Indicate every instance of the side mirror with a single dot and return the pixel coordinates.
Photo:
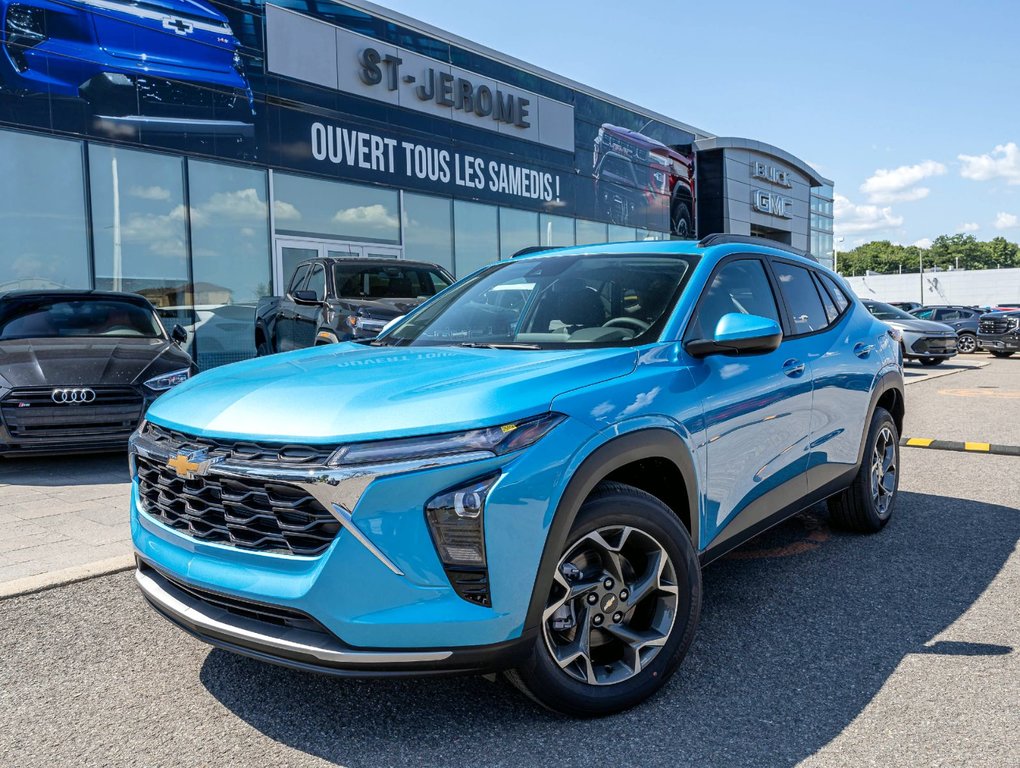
(179, 335)
(739, 333)
(305, 297)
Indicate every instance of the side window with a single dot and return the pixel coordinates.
(317, 282)
(842, 302)
(831, 313)
(924, 314)
(802, 298)
(740, 286)
(950, 314)
(299, 277)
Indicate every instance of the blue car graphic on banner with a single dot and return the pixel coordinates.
(158, 67)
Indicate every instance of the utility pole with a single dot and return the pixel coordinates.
(920, 261)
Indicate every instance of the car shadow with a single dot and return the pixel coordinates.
(799, 630)
(55, 471)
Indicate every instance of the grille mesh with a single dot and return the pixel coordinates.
(31, 414)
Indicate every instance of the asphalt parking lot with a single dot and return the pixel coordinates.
(815, 647)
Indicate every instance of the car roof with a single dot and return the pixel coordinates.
(43, 293)
(711, 245)
(370, 263)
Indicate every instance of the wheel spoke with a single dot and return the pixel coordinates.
(611, 559)
(571, 591)
(579, 650)
(636, 639)
(651, 580)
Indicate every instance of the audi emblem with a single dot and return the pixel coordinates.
(68, 396)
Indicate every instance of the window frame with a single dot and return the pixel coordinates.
(318, 265)
(692, 320)
(815, 281)
(295, 283)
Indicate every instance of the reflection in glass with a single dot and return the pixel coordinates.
(317, 208)
(230, 259)
(517, 229)
(591, 232)
(428, 234)
(476, 236)
(291, 257)
(139, 227)
(43, 234)
(556, 231)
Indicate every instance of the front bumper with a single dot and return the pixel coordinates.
(379, 584)
(942, 346)
(234, 626)
(1004, 342)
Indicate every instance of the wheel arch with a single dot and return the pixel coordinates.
(887, 393)
(651, 459)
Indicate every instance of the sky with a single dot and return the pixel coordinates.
(910, 107)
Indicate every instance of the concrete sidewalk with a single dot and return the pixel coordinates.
(66, 518)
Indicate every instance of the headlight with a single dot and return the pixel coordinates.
(495, 441)
(238, 62)
(168, 380)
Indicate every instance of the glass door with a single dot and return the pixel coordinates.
(289, 252)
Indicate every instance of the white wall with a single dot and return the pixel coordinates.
(980, 287)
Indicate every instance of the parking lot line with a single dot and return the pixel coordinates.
(954, 445)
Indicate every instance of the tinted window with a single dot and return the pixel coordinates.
(924, 314)
(951, 314)
(299, 276)
(317, 282)
(740, 286)
(69, 318)
(842, 302)
(387, 282)
(831, 313)
(806, 311)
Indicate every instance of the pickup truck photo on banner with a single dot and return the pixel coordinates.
(328, 90)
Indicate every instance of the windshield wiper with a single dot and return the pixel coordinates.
(497, 345)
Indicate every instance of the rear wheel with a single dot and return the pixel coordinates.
(1000, 353)
(681, 221)
(622, 608)
(867, 504)
(966, 343)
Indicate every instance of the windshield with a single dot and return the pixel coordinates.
(67, 318)
(887, 311)
(387, 282)
(553, 302)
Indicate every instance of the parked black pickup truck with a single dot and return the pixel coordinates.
(999, 333)
(331, 300)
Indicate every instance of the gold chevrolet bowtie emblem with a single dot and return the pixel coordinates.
(190, 466)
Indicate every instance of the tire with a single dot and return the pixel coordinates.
(651, 632)
(262, 348)
(1000, 353)
(929, 362)
(681, 223)
(858, 508)
(966, 344)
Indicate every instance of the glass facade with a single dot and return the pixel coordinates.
(306, 207)
(821, 224)
(475, 236)
(517, 230)
(428, 229)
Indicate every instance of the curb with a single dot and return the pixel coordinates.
(44, 581)
(954, 445)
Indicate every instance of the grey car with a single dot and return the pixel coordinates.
(926, 341)
(963, 319)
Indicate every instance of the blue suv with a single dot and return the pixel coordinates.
(526, 474)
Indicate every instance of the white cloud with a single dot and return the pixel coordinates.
(968, 226)
(899, 184)
(1006, 220)
(924, 242)
(374, 216)
(853, 219)
(284, 211)
(1003, 162)
(150, 193)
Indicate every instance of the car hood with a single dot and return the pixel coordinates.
(346, 392)
(920, 326)
(382, 309)
(88, 362)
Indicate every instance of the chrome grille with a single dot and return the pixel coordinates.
(995, 324)
(242, 450)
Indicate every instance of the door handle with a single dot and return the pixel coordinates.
(863, 350)
(793, 368)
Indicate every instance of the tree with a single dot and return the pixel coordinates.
(959, 251)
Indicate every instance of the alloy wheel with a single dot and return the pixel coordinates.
(883, 472)
(612, 605)
(966, 344)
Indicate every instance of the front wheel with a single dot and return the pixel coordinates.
(622, 608)
(867, 504)
(966, 344)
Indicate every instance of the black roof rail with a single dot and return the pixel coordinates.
(721, 238)
(532, 249)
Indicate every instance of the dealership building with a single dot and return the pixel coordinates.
(196, 152)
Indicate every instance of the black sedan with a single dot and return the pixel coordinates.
(78, 369)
